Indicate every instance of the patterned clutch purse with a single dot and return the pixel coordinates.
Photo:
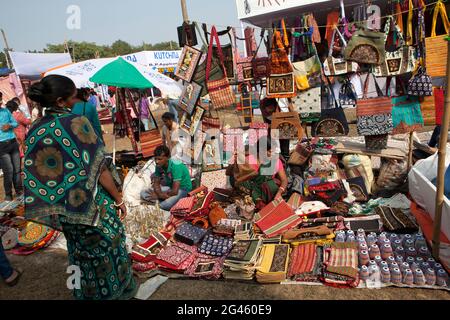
(190, 234)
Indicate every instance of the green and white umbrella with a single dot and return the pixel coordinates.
(118, 72)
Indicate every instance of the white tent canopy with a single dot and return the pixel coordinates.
(34, 64)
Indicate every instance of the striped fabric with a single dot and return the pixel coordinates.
(302, 259)
(277, 218)
(373, 106)
(150, 140)
(343, 259)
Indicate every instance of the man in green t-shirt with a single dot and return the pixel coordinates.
(175, 177)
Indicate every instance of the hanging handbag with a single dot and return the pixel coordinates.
(288, 125)
(338, 66)
(420, 84)
(308, 72)
(374, 115)
(366, 47)
(400, 61)
(244, 66)
(347, 94)
(437, 46)
(332, 122)
(187, 35)
(216, 72)
(406, 114)
(308, 104)
(228, 50)
(220, 91)
(280, 83)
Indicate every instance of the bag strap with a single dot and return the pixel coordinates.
(201, 34)
(330, 88)
(409, 35)
(344, 43)
(366, 86)
(219, 33)
(285, 34)
(440, 9)
(214, 36)
(390, 23)
(399, 16)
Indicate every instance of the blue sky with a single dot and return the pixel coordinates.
(31, 24)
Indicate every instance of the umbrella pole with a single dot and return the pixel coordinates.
(441, 166)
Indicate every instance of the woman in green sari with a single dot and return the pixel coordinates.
(71, 186)
(271, 181)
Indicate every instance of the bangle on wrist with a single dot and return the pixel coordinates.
(119, 205)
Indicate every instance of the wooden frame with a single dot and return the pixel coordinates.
(190, 58)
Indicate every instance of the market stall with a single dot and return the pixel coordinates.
(346, 218)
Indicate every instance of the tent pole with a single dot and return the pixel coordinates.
(441, 166)
(411, 147)
(184, 11)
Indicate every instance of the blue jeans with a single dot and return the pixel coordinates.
(10, 164)
(167, 204)
(5, 268)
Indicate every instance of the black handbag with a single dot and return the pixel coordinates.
(187, 35)
(332, 122)
(347, 94)
(420, 84)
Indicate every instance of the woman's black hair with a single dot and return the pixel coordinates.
(168, 116)
(50, 89)
(82, 93)
(162, 151)
(12, 106)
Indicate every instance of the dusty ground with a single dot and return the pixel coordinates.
(45, 278)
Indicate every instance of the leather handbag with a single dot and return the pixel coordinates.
(366, 46)
(220, 91)
(436, 46)
(332, 122)
(374, 115)
(400, 61)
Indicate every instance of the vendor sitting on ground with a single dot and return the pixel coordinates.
(171, 180)
(271, 181)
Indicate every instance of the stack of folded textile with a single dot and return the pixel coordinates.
(205, 267)
(244, 232)
(176, 257)
(341, 264)
(183, 207)
(305, 263)
(276, 218)
(241, 262)
(273, 263)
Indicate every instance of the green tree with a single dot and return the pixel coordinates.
(121, 48)
(3, 63)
